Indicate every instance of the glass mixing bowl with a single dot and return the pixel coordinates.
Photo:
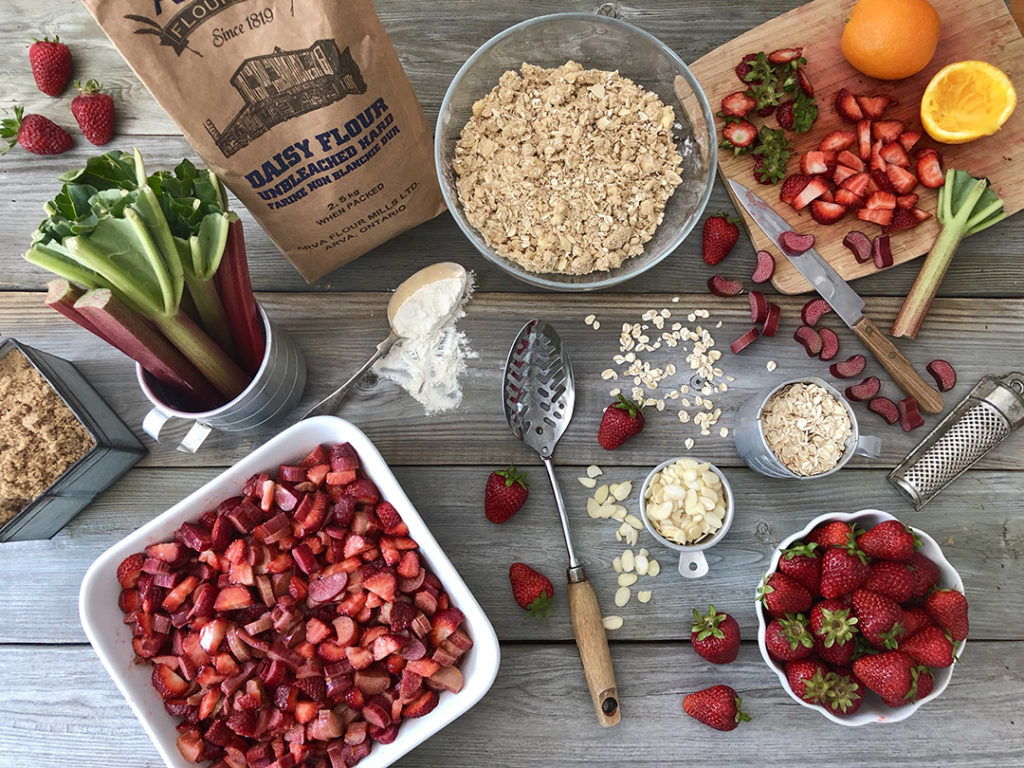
(596, 42)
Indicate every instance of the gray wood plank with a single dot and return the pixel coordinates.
(538, 714)
(977, 522)
(337, 335)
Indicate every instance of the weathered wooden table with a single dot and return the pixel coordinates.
(58, 707)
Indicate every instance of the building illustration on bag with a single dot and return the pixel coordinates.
(284, 84)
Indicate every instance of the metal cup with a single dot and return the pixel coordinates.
(692, 563)
(273, 392)
(753, 448)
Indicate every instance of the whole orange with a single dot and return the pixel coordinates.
(891, 39)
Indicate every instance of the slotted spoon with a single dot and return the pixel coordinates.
(538, 396)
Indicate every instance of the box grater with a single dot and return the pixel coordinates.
(982, 420)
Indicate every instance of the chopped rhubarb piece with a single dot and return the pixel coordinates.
(837, 141)
(887, 130)
(864, 140)
(866, 390)
(792, 186)
(826, 212)
(291, 473)
(895, 154)
(758, 307)
(814, 189)
(847, 108)
(449, 678)
(765, 268)
(850, 160)
(902, 180)
(327, 587)
(794, 243)
(878, 216)
(744, 341)
(738, 104)
(910, 416)
(873, 106)
(881, 252)
(847, 369)
(943, 373)
(929, 170)
(809, 338)
(814, 310)
(723, 286)
(771, 321)
(829, 343)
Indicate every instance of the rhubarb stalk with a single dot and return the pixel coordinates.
(966, 206)
(127, 331)
(61, 295)
(236, 290)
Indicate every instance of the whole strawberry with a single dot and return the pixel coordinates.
(845, 693)
(926, 574)
(717, 706)
(504, 494)
(931, 646)
(888, 674)
(915, 618)
(807, 679)
(51, 65)
(889, 540)
(833, 627)
(533, 591)
(802, 563)
(948, 609)
(834, 533)
(621, 420)
(789, 639)
(782, 594)
(715, 636)
(879, 619)
(923, 682)
(843, 569)
(892, 579)
(35, 133)
(719, 236)
(94, 112)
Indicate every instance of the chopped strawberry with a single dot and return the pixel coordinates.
(739, 134)
(827, 213)
(842, 173)
(837, 141)
(422, 705)
(827, 196)
(129, 569)
(857, 184)
(785, 55)
(738, 104)
(873, 106)
(850, 160)
(887, 130)
(814, 189)
(895, 154)
(813, 162)
(902, 219)
(880, 200)
(785, 116)
(388, 516)
(864, 140)
(792, 186)
(920, 215)
(881, 181)
(847, 198)
(167, 682)
(909, 138)
(847, 107)
(906, 202)
(877, 162)
(804, 82)
(382, 583)
(929, 170)
(444, 622)
(903, 181)
(879, 216)
(744, 67)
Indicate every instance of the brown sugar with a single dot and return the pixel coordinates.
(39, 435)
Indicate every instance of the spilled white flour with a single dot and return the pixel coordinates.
(431, 355)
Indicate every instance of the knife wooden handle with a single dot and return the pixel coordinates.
(593, 645)
(902, 372)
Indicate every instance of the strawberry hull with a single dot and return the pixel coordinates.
(111, 638)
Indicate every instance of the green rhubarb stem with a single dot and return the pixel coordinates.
(922, 293)
(212, 361)
(210, 309)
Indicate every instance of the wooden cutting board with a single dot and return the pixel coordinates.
(978, 29)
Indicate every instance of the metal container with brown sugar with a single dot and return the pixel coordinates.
(114, 449)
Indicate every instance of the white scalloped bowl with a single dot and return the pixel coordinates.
(111, 637)
(873, 710)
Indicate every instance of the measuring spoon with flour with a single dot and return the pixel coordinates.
(410, 314)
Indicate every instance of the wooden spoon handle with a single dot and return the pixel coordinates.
(593, 646)
(899, 368)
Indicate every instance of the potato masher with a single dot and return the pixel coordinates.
(538, 394)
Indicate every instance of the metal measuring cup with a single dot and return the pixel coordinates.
(753, 448)
(692, 562)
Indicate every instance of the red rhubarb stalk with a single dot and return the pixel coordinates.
(124, 329)
(61, 295)
(236, 292)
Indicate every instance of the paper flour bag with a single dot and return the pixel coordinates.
(300, 106)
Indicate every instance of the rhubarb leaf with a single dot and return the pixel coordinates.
(113, 169)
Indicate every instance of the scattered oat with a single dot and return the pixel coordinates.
(771, 365)
(723, 432)
(597, 325)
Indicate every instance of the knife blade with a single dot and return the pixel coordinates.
(842, 298)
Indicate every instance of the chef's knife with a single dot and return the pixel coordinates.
(843, 300)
